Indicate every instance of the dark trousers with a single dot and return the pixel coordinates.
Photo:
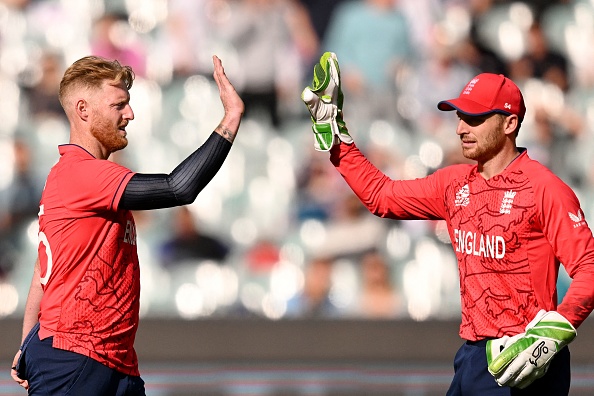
(471, 376)
(56, 372)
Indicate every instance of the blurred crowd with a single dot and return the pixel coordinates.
(278, 234)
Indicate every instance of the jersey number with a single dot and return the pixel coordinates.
(48, 252)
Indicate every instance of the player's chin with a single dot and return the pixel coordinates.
(470, 154)
(124, 143)
(120, 144)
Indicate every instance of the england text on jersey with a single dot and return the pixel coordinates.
(471, 243)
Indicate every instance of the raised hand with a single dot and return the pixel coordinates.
(232, 103)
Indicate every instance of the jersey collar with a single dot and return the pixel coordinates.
(73, 149)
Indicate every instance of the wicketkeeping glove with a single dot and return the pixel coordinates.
(519, 360)
(324, 101)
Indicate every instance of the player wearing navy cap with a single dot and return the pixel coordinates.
(511, 222)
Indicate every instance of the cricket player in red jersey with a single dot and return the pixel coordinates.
(81, 314)
(511, 222)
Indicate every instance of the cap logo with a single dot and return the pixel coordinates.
(507, 106)
(470, 85)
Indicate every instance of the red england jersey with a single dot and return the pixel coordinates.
(509, 234)
(89, 265)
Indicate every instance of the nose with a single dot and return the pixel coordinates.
(129, 115)
(461, 128)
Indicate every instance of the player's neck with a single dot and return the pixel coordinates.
(498, 163)
(89, 144)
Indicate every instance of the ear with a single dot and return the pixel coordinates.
(82, 109)
(510, 124)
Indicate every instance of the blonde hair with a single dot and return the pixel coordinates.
(91, 72)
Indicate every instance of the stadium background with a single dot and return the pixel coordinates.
(232, 323)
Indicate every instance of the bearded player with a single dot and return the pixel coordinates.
(511, 222)
(81, 314)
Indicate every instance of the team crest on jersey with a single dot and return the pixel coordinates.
(463, 196)
(578, 219)
(508, 201)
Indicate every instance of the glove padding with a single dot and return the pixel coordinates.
(324, 101)
(519, 360)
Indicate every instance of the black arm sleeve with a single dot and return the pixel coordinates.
(180, 187)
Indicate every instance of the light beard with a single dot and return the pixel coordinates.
(490, 146)
(484, 152)
(108, 136)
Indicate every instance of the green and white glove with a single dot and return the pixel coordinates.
(324, 101)
(519, 360)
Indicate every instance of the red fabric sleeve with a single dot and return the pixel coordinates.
(565, 227)
(94, 185)
(418, 199)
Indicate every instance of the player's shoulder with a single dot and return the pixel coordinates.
(543, 180)
(454, 171)
(452, 175)
(540, 174)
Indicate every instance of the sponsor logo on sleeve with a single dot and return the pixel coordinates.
(578, 219)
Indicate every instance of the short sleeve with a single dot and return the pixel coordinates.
(93, 185)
